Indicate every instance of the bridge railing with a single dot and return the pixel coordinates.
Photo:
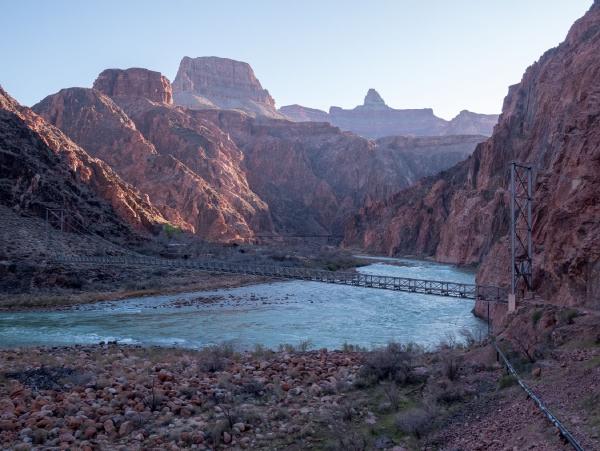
(435, 287)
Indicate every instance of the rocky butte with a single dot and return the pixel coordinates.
(375, 119)
(212, 82)
(551, 119)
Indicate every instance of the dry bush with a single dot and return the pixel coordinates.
(392, 363)
(262, 352)
(214, 432)
(351, 441)
(253, 388)
(416, 421)
(468, 337)
(392, 395)
(348, 410)
(349, 347)
(304, 346)
(450, 366)
(215, 358)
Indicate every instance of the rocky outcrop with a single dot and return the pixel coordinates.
(299, 113)
(468, 123)
(374, 119)
(212, 82)
(188, 169)
(135, 82)
(41, 168)
(374, 100)
(551, 120)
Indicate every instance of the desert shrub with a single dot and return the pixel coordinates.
(507, 380)
(214, 358)
(448, 395)
(416, 421)
(450, 366)
(536, 316)
(304, 345)
(392, 363)
(449, 342)
(261, 351)
(154, 400)
(348, 410)
(348, 347)
(214, 432)
(253, 388)
(567, 316)
(286, 347)
(468, 336)
(349, 440)
(392, 395)
(251, 416)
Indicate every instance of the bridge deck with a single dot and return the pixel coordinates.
(434, 287)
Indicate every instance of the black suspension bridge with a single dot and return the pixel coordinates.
(58, 222)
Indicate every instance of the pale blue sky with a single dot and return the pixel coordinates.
(447, 55)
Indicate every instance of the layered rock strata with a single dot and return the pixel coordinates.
(212, 82)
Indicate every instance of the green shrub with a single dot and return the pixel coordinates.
(171, 230)
(508, 380)
(535, 318)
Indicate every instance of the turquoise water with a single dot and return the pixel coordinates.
(269, 314)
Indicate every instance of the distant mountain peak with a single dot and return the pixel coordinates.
(373, 98)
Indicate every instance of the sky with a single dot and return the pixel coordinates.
(445, 55)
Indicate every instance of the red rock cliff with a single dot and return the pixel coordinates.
(551, 120)
(313, 176)
(135, 82)
(42, 168)
(212, 82)
(189, 169)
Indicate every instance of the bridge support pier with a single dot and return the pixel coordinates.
(512, 303)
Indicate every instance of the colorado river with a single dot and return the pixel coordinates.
(269, 314)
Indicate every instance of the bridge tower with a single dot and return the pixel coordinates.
(521, 243)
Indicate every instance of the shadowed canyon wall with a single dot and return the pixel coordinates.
(551, 119)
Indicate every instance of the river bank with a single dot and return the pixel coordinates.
(131, 283)
(110, 396)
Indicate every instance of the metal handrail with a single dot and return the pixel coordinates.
(425, 286)
(564, 432)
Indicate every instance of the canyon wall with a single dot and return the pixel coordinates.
(313, 177)
(551, 119)
(40, 168)
(228, 176)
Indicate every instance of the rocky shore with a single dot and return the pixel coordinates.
(112, 396)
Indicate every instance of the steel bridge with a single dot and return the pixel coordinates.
(433, 287)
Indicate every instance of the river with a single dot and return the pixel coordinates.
(269, 314)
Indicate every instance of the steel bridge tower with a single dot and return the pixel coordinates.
(521, 243)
